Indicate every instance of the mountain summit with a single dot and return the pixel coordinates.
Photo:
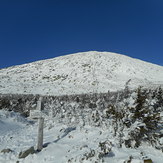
(86, 72)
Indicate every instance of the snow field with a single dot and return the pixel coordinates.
(79, 73)
(64, 143)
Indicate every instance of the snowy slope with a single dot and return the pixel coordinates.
(86, 72)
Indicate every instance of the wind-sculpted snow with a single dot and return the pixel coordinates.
(87, 72)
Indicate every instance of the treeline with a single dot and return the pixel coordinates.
(22, 103)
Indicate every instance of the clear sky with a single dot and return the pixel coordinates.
(32, 30)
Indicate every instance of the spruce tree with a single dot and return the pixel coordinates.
(141, 107)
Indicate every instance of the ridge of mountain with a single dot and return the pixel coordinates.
(78, 73)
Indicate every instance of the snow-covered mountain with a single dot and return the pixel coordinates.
(86, 72)
(118, 127)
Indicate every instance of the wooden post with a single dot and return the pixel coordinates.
(40, 134)
(37, 114)
(39, 104)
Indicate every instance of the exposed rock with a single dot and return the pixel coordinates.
(6, 150)
(25, 153)
(148, 161)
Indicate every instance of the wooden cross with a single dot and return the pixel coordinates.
(37, 114)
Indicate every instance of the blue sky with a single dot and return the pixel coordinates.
(32, 30)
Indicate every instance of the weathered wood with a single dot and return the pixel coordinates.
(37, 114)
(40, 134)
(39, 104)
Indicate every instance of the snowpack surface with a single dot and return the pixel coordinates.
(65, 144)
(86, 72)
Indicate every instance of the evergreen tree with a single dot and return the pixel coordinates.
(141, 107)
